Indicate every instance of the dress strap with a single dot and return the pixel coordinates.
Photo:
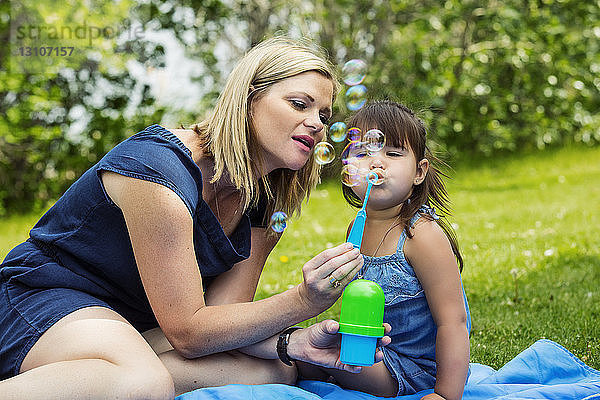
(424, 209)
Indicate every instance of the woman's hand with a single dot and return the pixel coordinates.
(320, 343)
(326, 275)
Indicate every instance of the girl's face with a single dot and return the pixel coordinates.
(401, 171)
(289, 119)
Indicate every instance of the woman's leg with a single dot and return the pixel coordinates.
(217, 369)
(375, 380)
(91, 353)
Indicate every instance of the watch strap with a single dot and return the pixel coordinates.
(282, 345)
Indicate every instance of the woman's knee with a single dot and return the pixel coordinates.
(147, 383)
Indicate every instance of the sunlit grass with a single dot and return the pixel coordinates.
(528, 229)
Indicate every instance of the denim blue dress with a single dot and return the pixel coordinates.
(79, 253)
(410, 357)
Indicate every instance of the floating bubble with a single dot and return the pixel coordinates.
(353, 152)
(278, 221)
(356, 97)
(374, 140)
(354, 134)
(324, 153)
(354, 72)
(376, 176)
(350, 175)
(337, 132)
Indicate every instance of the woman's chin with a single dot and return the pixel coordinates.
(296, 163)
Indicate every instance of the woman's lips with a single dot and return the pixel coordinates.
(305, 140)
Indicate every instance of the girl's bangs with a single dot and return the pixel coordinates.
(391, 122)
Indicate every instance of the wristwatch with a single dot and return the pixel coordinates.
(282, 345)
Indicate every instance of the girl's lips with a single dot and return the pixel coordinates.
(379, 172)
(306, 140)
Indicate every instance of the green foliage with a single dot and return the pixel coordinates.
(507, 77)
(499, 78)
(62, 113)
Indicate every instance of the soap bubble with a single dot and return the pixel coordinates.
(354, 72)
(337, 132)
(374, 140)
(324, 153)
(353, 152)
(354, 134)
(350, 175)
(278, 221)
(376, 176)
(356, 97)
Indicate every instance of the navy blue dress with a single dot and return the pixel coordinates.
(79, 253)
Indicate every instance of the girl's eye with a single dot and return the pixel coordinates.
(324, 119)
(394, 154)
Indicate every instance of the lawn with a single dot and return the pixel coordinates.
(528, 230)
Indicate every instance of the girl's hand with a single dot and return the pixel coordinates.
(320, 343)
(326, 275)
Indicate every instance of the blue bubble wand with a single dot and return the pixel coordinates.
(358, 227)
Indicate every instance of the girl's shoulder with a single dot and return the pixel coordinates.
(427, 237)
(424, 223)
(424, 231)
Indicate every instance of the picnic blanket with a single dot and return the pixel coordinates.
(546, 370)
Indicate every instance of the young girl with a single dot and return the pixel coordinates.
(413, 255)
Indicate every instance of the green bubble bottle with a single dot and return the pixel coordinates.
(361, 322)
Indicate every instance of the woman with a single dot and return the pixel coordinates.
(165, 236)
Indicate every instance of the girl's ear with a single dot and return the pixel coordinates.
(422, 168)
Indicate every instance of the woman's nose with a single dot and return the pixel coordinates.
(314, 122)
(316, 129)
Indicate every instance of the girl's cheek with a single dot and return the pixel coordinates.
(360, 191)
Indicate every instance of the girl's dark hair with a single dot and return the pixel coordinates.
(402, 128)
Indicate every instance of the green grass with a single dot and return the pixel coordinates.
(528, 232)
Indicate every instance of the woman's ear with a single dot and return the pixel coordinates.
(422, 168)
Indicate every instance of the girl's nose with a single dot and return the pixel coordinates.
(375, 162)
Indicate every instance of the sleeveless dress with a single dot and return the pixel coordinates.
(410, 357)
(79, 253)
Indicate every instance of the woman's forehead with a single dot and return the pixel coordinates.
(312, 83)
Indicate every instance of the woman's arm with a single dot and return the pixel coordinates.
(238, 285)
(161, 232)
(434, 263)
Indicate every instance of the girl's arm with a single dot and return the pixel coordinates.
(431, 256)
(161, 232)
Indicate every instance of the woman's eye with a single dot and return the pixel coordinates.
(324, 119)
(298, 104)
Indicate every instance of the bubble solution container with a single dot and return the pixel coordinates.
(361, 322)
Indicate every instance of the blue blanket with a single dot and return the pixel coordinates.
(546, 370)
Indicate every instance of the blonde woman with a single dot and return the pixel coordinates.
(139, 281)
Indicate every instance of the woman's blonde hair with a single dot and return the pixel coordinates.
(227, 133)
